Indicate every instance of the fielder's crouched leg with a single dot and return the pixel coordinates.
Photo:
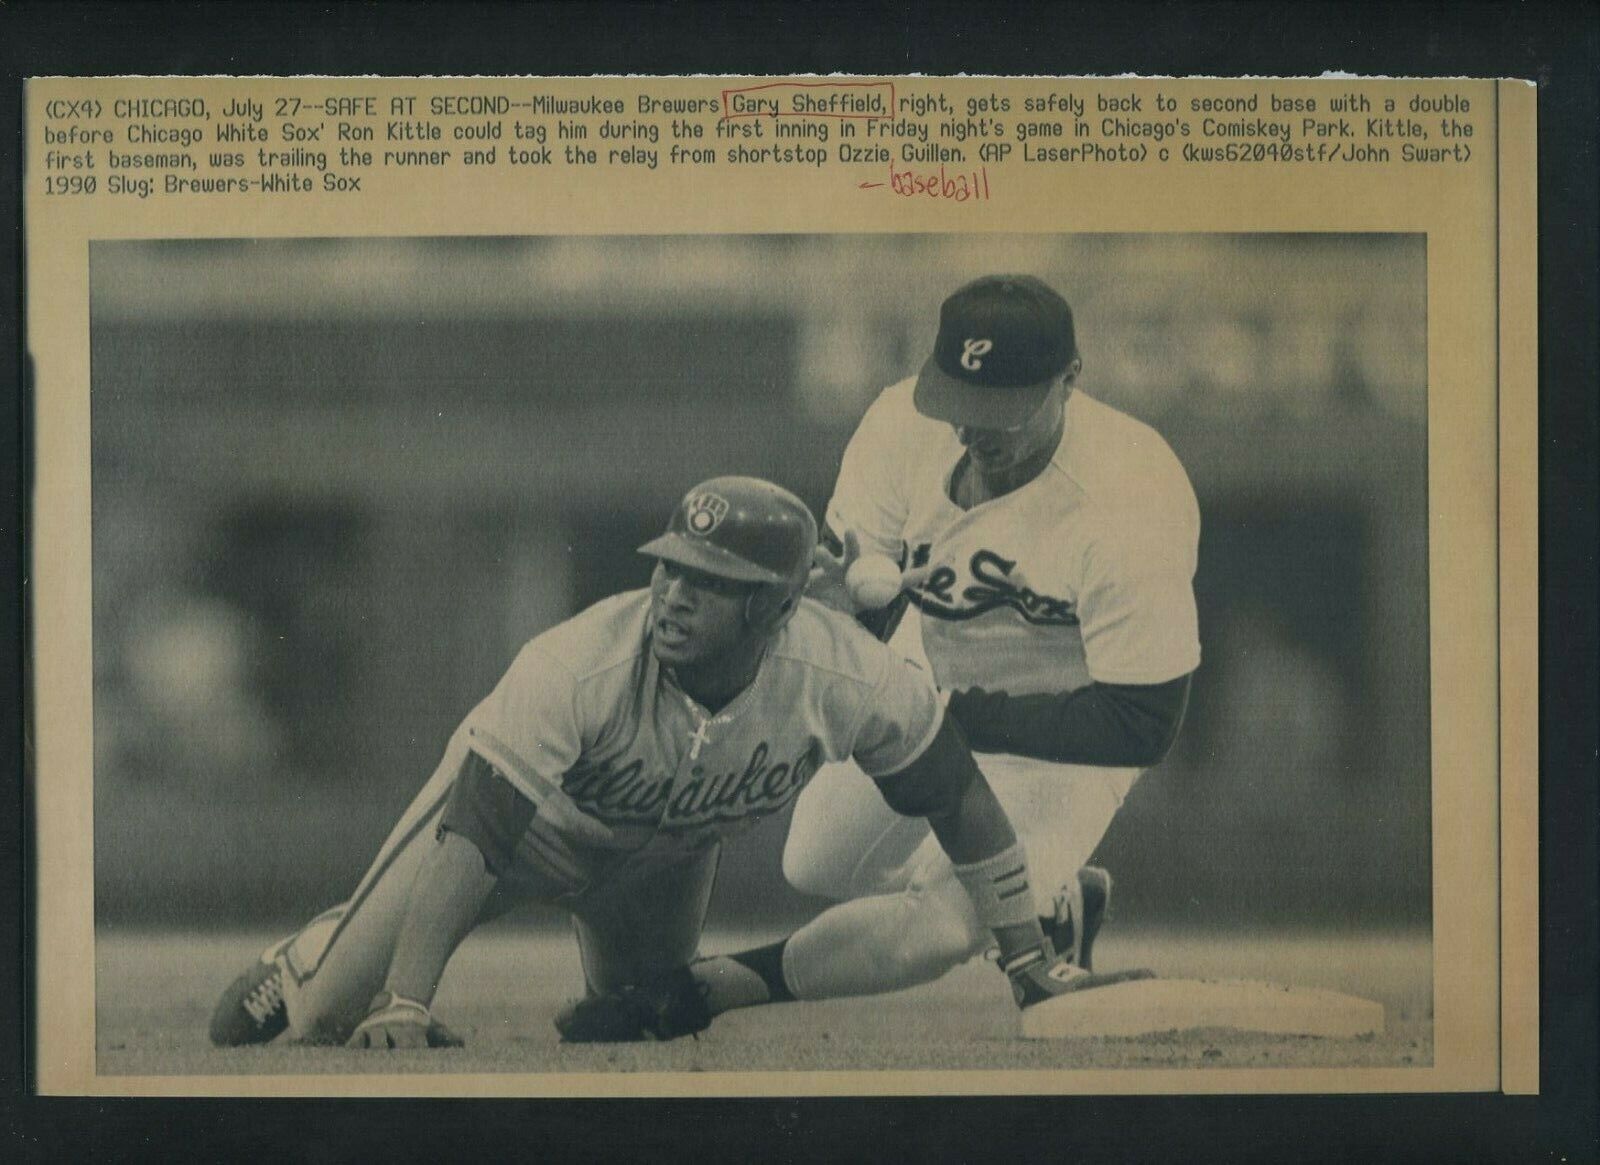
(845, 842)
(887, 942)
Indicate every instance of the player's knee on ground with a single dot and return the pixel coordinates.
(882, 943)
(934, 932)
(932, 944)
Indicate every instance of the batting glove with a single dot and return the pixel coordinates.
(1039, 974)
(396, 1022)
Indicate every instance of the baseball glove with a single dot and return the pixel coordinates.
(663, 1008)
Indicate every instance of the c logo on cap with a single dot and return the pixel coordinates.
(971, 350)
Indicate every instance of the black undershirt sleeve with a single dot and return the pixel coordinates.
(1130, 725)
(488, 811)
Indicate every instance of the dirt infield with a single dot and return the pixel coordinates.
(155, 992)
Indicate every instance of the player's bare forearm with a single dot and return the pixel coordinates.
(1132, 725)
(450, 891)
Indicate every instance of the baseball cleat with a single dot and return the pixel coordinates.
(1086, 897)
(252, 1009)
(665, 1008)
(1040, 974)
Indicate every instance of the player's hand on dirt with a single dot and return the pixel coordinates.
(397, 1023)
(1039, 974)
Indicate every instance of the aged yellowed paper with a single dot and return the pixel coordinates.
(345, 389)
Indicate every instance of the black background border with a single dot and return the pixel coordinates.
(1555, 45)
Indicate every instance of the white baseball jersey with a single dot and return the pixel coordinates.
(1085, 573)
(587, 707)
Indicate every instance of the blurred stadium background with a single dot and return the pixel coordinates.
(337, 484)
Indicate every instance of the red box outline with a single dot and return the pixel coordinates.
(889, 85)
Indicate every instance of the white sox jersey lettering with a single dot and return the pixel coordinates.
(1083, 574)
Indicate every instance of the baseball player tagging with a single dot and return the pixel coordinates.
(1050, 544)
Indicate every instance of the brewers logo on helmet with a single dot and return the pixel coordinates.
(703, 510)
(745, 529)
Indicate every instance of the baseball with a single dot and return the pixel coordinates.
(873, 581)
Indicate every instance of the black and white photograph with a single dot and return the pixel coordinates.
(658, 653)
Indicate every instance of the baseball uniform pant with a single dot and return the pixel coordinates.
(634, 914)
(904, 918)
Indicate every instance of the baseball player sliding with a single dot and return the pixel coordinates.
(1049, 545)
(603, 771)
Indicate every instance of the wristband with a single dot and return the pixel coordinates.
(999, 888)
(388, 1000)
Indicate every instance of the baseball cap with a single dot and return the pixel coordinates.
(1003, 339)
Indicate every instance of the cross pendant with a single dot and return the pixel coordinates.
(701, 733)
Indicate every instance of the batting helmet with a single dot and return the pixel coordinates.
(745, 529)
